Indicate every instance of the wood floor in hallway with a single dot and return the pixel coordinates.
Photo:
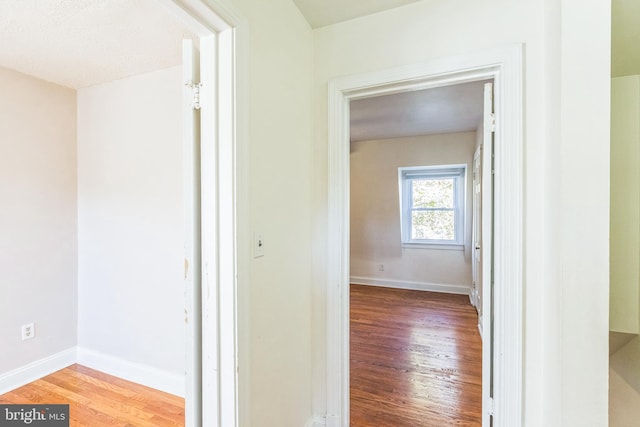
(99, 400)
(415, 358)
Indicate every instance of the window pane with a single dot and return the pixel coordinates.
(432, 193)
(433, 225)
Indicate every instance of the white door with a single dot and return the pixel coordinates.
(193, 270)
(486, 251)
(476, 238)
(205, 405)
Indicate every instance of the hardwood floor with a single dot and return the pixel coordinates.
(416, 359)
(100, 400)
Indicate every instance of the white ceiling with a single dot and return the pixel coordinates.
(326, 12)
(446, 109)
(79, 43)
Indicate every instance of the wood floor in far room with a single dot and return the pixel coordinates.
(415, 358)
(100, 400)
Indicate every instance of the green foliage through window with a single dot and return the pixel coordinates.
(432, 204)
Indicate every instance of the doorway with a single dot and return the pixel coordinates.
(504, 66)
(624, 228)
(415, 185)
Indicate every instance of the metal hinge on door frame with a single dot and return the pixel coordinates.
(195, 88)
(490, 123)
(491, 407)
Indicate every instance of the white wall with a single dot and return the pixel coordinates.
(130, 220)
(275, 161)
(565, 170)
(38, 236)
(585, 92)
(375, 212)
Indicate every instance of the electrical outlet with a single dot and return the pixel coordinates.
(380, 267)
(28, 331)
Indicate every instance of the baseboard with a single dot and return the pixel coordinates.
(409, 285)
(473, 297)
(36, 370)
(316, 421)
(131, 371)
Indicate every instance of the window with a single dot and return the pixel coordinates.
(432, 205)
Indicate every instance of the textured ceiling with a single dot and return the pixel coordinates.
(457, 108)
(79, 43)
(326, 12)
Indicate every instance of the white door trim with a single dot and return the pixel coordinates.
(192, 244)
(504, 65)
(222, 31)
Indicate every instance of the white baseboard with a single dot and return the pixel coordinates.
(409, 285)
(36, 370)
(136, 372)
(473, 296)
(316, 421)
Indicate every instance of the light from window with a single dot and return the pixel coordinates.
(432, 204)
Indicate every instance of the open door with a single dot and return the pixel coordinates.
(476, 238)
(192, 245)
(486, 254)
(211, 381)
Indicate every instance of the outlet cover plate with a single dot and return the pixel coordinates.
(28, 331)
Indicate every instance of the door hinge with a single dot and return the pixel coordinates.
(490, 122)
(195, 89)
(491, 407)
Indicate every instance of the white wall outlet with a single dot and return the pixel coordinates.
(258, 245)
(28, 331)
(380, 267)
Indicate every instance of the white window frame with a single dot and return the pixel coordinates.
(405, 177)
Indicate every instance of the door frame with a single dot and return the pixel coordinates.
(504, 66)
(222, 34)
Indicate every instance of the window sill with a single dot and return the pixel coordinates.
(438, 246)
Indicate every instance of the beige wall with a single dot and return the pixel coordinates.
(625, 37)
(130, 220)
(625, 211)
(375, 211)
(624, 313)
(565, 171)
(38, 237)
